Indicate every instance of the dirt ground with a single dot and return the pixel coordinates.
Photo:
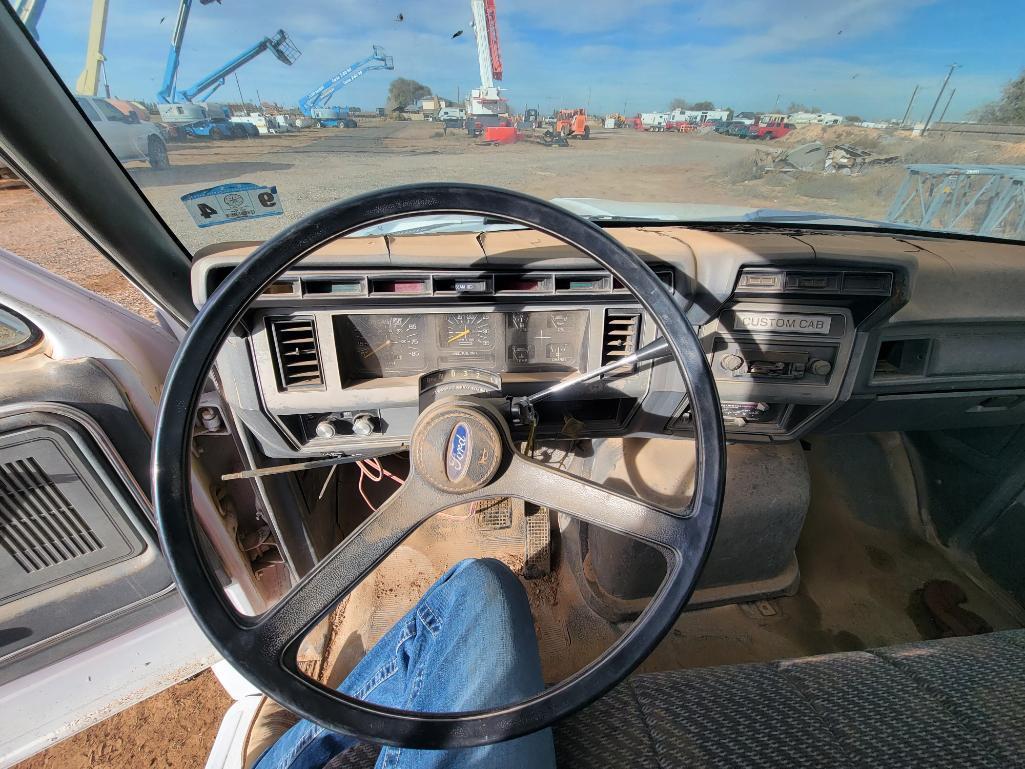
(171, 730)
(30, 228)
(319, 166)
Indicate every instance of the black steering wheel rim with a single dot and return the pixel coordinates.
(227, 629)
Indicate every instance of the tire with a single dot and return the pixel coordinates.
(216, 134)
(157, 153)
(587, 132)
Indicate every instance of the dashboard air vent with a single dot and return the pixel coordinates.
(619, 337)
(294, 341)
(39, 527)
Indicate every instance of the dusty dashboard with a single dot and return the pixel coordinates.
(346, 361)
(334, 359)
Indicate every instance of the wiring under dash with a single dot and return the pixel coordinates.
(372, 470)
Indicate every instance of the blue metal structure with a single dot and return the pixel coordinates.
(29, 12)
(977, 199)
(280, 45)
(315, 103)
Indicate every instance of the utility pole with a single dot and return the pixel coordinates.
(241, 98)
(947, 105)
(938, 97)
(904, 120)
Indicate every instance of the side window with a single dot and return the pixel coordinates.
(16, 333)
(89, 110)
(33, 230)
(110, 112)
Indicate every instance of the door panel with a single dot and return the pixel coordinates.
(90, 620)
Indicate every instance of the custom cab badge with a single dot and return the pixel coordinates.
(457, 454)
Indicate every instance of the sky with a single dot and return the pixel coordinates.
(852, 57)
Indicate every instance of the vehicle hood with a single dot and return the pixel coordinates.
(600, 209)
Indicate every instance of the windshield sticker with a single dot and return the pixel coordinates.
(231, 203)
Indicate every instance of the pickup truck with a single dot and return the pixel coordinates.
(773, 129)
(127, 137)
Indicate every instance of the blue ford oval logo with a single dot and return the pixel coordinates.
(457, 455)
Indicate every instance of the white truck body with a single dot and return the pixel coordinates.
(654, 121)
(451, 113)
(127, 136)
(699, 116)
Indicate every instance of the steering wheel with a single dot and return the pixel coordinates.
(263, 648)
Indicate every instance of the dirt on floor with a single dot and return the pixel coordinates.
(171, 730)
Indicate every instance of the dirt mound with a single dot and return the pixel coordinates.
(866, 138)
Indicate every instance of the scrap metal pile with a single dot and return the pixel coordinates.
(815, 156)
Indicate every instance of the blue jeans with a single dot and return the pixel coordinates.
(468, 644)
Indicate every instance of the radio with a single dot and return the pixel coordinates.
(774, 363)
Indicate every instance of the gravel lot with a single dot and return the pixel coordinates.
(320, 166)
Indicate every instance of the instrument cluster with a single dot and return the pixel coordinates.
(375, 345)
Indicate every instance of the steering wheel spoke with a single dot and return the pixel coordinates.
(348, 564)
(558, 490)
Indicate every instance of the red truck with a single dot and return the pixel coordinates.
(769, 127)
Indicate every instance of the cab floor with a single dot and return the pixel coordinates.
(864, 557)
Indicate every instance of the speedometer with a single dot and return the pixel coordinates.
(467, 331)
(384, 345)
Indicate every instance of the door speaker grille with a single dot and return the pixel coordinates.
(39, 527)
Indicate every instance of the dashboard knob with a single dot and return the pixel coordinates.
(821, 367)
(731, 362)
(326, 428)
(363, 425)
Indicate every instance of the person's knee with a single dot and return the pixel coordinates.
(485, 592)
(486, 578)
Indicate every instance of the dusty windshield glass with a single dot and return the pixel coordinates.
(235, 119)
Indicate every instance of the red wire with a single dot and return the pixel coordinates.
(365, 466)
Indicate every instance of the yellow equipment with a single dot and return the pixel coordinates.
(89, 81)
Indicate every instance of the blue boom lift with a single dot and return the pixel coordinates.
(177, 106)
(315, 103)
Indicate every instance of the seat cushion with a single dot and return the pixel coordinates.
(956, 702)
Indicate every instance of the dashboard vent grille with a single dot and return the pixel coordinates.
(296, 354)
(39, 527)
(619, 337)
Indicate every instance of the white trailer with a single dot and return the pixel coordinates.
(654, 121)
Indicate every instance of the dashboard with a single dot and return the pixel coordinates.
(802, 333)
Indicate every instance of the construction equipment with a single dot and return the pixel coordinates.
(315, 103)
(572, 123)
(178, 106)
(89, 81)
(28, 12)
(486, 105)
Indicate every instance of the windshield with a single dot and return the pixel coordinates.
(235, 118)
